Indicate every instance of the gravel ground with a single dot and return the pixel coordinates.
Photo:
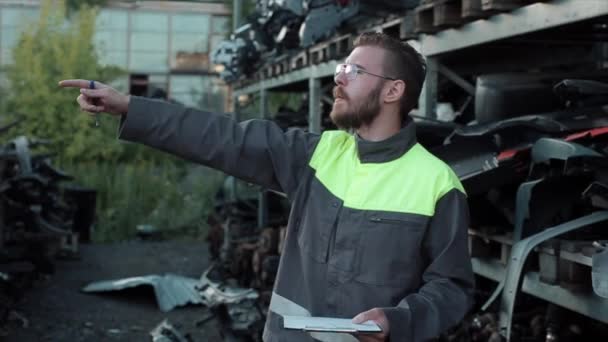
(56, 310)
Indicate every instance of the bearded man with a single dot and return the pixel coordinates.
(378, 225)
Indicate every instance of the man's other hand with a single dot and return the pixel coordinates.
(102, 98)
(378, 316)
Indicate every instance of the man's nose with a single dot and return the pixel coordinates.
(340, 79)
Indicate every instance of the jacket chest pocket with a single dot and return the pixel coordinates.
(389, 248)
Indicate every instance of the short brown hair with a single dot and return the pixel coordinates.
(402, 62)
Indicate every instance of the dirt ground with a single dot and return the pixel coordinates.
(56, 310)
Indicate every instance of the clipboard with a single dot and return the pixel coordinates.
(329, 324)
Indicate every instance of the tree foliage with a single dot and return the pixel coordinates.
(53, 49)
(135, 184)
(75, 5)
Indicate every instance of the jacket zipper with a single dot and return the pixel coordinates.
(387, 220)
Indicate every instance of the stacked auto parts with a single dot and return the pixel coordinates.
(246, 257)
(41, 218)
(282, 27)
(535, 186)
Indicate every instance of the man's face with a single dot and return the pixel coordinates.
(357, 102)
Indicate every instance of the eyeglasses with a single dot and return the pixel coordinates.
(352, 70)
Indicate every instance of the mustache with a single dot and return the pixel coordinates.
(339, 93)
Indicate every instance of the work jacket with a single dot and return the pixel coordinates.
(372, 224)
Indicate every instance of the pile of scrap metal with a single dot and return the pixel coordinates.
(538, 193)
(238, 285)
(281, 26)
(246, 255)
(40, 218)
(237, 309)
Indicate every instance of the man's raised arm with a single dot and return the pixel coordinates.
(257, 151)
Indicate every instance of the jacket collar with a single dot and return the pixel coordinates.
(388, 149)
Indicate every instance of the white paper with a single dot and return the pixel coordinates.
(329, 324)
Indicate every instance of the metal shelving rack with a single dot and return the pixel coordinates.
(312, 75)
(534, 17)
(528, 19)
(585, 302)
(524, 20)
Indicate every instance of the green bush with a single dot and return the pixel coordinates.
(135, 184)
(173, 198)
(49, 50)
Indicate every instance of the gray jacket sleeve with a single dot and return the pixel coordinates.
(447, 291)
(257, 151)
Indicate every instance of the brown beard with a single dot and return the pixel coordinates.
(364, 112)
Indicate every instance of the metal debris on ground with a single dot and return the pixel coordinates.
(148, 232)
(173, 290)
(114, 331)
(214, 294)
(16, 316)
(167, 332)
(170, 290)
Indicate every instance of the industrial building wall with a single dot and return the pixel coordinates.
(163, 46)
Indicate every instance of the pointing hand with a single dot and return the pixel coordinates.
(102, 98)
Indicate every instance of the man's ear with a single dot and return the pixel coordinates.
(395, 91)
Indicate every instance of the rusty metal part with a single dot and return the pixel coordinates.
(256, 262)
(240, 267)
(269, 240)
(215, 236)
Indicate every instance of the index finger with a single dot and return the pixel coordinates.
(74, 83)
